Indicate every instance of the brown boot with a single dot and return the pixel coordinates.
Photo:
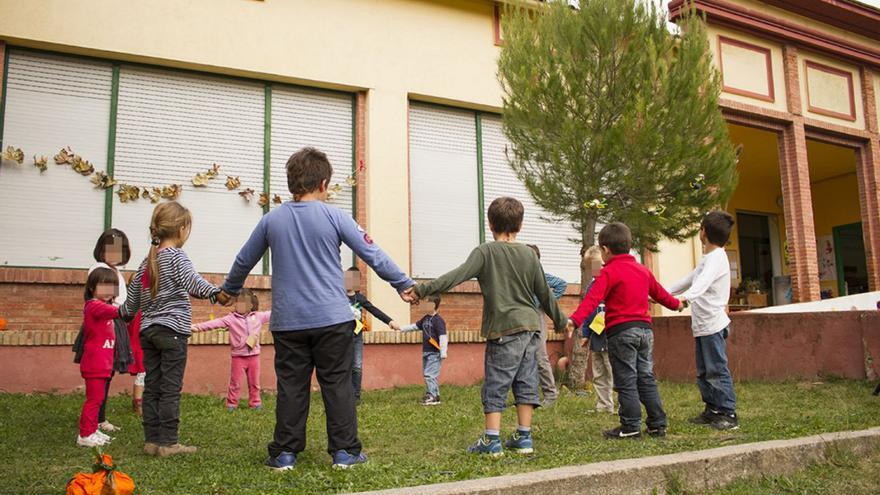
(167, 450)
(151, 448)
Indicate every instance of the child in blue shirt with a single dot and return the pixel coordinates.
(312, 323)
(434, 346)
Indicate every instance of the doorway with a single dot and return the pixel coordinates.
(852, 267)
(758, 236)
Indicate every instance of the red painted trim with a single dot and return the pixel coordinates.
(496, 24)
(771, 92)
(725, 13)
(845, 14)
(851, 116)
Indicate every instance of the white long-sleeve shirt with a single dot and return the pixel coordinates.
(707, 289)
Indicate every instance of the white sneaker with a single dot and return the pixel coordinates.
(103, 436)
(109, 427)
(92, 440)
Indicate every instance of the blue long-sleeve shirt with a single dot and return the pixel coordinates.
(307, 279)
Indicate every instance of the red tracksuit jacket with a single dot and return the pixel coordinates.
(99, 339)
(624, 284)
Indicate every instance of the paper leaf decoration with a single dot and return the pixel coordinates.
(264, 199)
(102, 180)
(153, 194)
(172, 191)
(200, 180)
(13, 154)
(40, 163)
(213, 171)
(247, 194)
(82, 167)
(65, 156)
(232, 182)
(128, 193)
(351, 180)
(277, 199)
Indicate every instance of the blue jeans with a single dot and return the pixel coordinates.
(431, 370)
(511, 362)
(357, 363)
(632, 365)
(713, 375)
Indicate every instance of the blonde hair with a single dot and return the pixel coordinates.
(168, 218)
(593, 252)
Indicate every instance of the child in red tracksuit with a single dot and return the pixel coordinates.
(244, 325)
(99, 343)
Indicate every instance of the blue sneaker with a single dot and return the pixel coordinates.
(282, 462)
(520, 443)
(343, 460)
(486, 445)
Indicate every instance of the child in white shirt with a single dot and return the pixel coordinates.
(707, 290)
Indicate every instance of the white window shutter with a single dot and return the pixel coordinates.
(559, 256)
(443, 187)
(53, 219)
(319, 119)
(171, 125)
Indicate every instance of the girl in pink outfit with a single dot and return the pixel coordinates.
(244, 325)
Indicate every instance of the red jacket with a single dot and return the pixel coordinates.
(624, 284)
(99, 339)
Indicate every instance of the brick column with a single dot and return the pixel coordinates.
(360, 157)
(868, 173)
(792, 84)
(798, 208)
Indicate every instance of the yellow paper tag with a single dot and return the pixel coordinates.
(598, 324)
(251, 341)
(358, 326)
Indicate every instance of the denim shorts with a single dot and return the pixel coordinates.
(511, 363)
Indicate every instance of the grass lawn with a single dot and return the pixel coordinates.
(844, 474)
(408, 444)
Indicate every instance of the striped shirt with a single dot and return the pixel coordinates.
(170, 308)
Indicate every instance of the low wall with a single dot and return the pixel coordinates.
(761, 347)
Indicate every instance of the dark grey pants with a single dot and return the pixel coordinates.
(165, 361)
(632, 364)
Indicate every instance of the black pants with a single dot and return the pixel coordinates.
(102, 412)
(327, 350)
(165, 361)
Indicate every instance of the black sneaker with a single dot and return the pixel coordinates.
(619, 434)
(705, 418)
(656, 432)
(725, 422)
(430, 400)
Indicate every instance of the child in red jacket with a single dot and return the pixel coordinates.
(99, 343)
(625, 286)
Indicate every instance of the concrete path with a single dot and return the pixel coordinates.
(697, 470)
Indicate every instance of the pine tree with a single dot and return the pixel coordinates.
(613, 118)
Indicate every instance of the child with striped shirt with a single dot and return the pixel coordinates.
(160, 290)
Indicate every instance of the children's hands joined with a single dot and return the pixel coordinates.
(193, 328)
(569, 329)
(224, 298)
(409, 295)
(683, 303)
(394, 326)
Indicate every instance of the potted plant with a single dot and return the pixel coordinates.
(754, 291)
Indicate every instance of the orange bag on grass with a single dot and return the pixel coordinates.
(104, 480)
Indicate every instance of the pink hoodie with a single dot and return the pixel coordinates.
(239, 326)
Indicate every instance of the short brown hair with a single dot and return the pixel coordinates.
(717, 225)
(99, 275)
(616, 237)
(535, 249)
(106, 239)
(505, 215)
(307, 169)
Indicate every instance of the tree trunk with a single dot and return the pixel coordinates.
(588, 238)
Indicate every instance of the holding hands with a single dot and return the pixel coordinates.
(225, 298)
(569, 329)
(409, 295)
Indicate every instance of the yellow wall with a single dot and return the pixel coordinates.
(441, 50)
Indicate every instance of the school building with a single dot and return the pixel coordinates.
(403, 96)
